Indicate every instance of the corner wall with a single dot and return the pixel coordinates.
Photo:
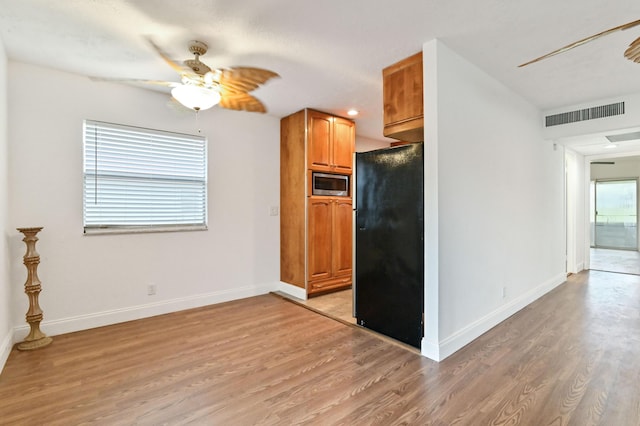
(5, 282)
(494, 188)
(91, 281)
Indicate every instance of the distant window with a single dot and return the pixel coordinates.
(139, 179)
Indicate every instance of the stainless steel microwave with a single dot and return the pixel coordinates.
(330, 184)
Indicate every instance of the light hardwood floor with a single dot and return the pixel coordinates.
(572, 357)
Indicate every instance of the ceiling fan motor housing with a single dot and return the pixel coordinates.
(197, 48)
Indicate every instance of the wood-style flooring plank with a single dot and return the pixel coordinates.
(570, 358)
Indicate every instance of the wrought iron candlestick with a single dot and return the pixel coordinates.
(32, 287)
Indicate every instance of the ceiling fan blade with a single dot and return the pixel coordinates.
(583, 41)
(137, 81)
(242, 79)
(633, 52)
(181, 70)
(242, 102)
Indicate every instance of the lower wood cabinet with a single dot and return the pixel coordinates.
(329, 239)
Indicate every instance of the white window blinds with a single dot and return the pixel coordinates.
(141, 179)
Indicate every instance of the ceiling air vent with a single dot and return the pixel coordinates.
(585, 114)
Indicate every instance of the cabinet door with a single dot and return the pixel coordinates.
(402, 96)
(343, 145)
(342, 237)
(320, 138)
(319, 264)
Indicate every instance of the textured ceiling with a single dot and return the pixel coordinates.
(330, 53)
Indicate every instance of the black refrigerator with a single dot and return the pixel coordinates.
(389, 242)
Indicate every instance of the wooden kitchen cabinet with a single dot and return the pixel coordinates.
(315, 231)
(330, 237)
(402, 93)
(331, 143)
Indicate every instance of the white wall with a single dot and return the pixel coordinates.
(5, 282)
(494, 192)
(94, 280)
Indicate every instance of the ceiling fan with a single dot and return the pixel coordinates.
(201, 87)
(632, 53)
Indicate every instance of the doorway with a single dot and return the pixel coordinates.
(614, 226)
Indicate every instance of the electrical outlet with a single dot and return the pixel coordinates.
(273, 211)
(151, 289)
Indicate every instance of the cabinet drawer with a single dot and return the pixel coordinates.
(331, 284)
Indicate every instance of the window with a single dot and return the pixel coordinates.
(614, 214)
(143, 180)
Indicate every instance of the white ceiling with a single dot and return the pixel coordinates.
(330, 53)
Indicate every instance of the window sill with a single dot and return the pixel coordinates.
(114, 230)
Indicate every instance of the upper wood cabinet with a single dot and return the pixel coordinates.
(403, 100)
(331, 143)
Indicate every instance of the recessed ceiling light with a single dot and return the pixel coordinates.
(611, 146)
(352, 112)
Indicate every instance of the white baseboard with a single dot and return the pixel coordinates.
(5, 349)
(292, 290)
(99, 319)
(436, 352)
(430, 350)
(474, 330)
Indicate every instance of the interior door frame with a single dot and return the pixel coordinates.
(571, 188)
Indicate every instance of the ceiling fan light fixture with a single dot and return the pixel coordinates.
(195, 97)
